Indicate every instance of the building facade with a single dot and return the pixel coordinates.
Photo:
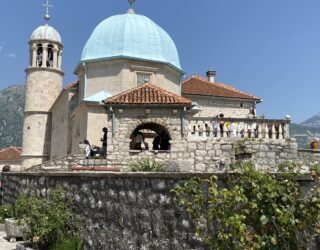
(131, 82)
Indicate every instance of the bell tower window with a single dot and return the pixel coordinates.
(143, 78)
(39, 55)
(50, 56)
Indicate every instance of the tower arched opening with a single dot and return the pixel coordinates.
(150, 136)
(39, 55)
(50, 56)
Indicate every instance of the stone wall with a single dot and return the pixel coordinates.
(14, 165)
(59, 128)
(309, 157)
(106, 75)
(213, 106)
(213, 155)
(121, 210)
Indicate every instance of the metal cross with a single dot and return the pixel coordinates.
(131, 2)
(47, 5)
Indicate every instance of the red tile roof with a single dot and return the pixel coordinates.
(197, 85)
(148, 94)
(10, 154)
(71, 85)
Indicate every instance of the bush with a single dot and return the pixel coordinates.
(146, 165)
(253, 210)
(71, 243)
(47, 220)
(6, 211)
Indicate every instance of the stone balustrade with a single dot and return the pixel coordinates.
(200, 128)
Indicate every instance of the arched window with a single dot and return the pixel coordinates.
(39, 55)
(150, 136)
(50, 56)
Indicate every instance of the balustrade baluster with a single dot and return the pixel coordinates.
(259, 130)
(280, 131)
(273, 132)
(204, 133)
(225, 134)
(245, 131)
(218, 132)
(266, 132)
(190, 130)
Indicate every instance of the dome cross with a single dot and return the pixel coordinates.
(131, 2)
(47, 6)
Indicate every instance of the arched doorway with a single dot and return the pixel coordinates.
(150, 136)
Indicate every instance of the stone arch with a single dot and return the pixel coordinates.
(155, 136)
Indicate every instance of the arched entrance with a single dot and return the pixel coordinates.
(150, 136)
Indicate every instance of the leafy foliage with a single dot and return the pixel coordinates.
(146, 165)
(252, 210)
(48, 220)
(6, 211)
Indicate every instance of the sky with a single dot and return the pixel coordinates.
(268, 48)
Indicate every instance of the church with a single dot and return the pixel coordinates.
(131, 82)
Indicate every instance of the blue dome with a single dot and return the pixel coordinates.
(131, 36)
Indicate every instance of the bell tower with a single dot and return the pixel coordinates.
(44, 79)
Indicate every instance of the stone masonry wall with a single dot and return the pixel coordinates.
(211, 107)
(309, 157)
(121, 211)
(193, 155)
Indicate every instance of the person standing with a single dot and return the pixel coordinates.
(87, 150)
(104, 140)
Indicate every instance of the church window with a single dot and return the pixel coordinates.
(39, 55)
(50, 56)
(143, 78)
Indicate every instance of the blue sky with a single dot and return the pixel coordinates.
(269, 48)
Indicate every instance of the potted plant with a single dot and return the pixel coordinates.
(314, 144)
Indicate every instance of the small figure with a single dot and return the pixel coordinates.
(104, 140)
(87, 150)
(215, 126)
(233, 129)
(221, 124)
(156, 142)
(164, 141)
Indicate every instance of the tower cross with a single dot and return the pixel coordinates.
(47, 6)
(131, 2)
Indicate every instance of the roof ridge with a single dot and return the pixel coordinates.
(218, 85)
(148, 93)
(223, 85)
(150, 85)
(71, 84)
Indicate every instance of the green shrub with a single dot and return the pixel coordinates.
(252, 210)
(47, 220)
(146, 165)
(71, 243)
(6, 211)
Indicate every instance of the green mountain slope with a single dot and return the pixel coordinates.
(314, 121)
(11, 116)
(304, 134)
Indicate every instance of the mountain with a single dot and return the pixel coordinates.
(314, 121)
(304, 134)
(11, 116)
